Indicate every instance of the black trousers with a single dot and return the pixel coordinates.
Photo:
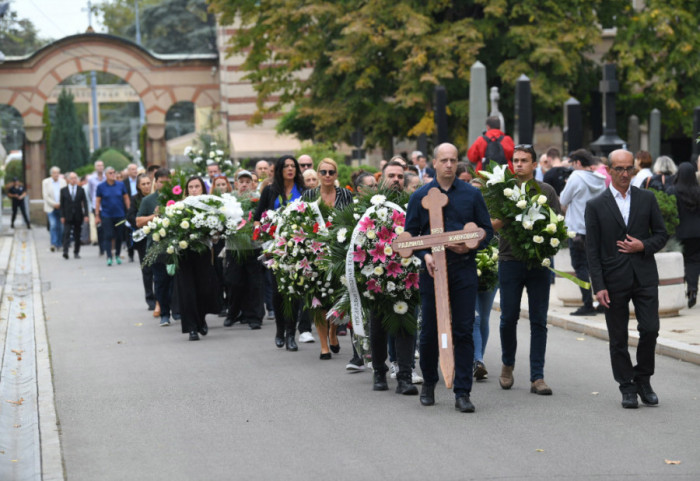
(197, 289)
(73, 228)
(246, 284)
(646, 308)
(19, 205)
(163, 287)
(404, 344)
(691, 262)
(285, 324)
(146, 271)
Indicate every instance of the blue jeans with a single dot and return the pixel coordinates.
(463, 284)
(56, 228)
(513, 276)
(111, 231)
(484, 303)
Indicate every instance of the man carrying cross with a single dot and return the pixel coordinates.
(465, 204)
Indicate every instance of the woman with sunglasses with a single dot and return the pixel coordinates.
(337, 198)
(287, 185)
(196, 282)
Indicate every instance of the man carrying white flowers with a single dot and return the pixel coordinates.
(514, 275)
(466, 204)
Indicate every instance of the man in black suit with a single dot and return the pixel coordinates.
(624, 229)
(74, 210)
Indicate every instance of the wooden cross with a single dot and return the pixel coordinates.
(405, 244)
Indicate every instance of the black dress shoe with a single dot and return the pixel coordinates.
(325, 356)
(291, 343)
(254, 325)
(464, 405)
(228, 322)
(279, 341)
(427, 395)
(380, 382)
(584, 311)
(692, 298)
(335, 348)
(203, 329)
(65, 255)
(647, 394)
(629, 400)
(194, 336)
(151, 305)
(76, 256)
(406, 388)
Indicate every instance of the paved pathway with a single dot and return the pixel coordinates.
(137, 401)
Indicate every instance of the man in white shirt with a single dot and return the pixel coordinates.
(51, 193)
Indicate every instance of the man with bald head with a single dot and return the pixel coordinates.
(624, 229)
(262, 169)
(74, 211)
(305, 162)
(465, 204)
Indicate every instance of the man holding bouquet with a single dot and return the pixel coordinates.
(466, 204)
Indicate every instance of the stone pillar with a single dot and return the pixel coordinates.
(633, 134)
(35, 170)
(478, 99)
(523, 111)
(495, 96)
(156, 150)
(655, 134)
(573, 130)
(440, 104)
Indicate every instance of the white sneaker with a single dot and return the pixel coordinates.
(306, 337)
(415, 378)
(270, 315)
(393, 369)
(416, 355)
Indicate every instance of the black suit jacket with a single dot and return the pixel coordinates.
(609, 268)
(73, 210)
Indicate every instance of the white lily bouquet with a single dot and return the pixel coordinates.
(193, 223)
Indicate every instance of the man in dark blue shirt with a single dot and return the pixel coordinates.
(465, 205)
(111, 204)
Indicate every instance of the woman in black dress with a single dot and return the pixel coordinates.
(196, 280)
(287, 186)
(143, 188)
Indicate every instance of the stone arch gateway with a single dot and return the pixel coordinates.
(159, 80)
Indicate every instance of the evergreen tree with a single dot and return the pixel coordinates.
(68, 144)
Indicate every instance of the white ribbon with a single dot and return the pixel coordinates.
(354, 294)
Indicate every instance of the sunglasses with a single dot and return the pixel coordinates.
(523, 146)
(327, 172)
(306, 165)
(620, 170)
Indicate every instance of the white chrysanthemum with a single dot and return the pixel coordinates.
(542, 200)
(554, 242)
(371, 234)
(377, 199)
(342, 234)
(522, 203)
(344, 280)
(546, 262)
(367, 270)
(367, 294)
(390, 286)
(537, 239)
(401, 307)
(383, 214)
(416, 261)
(356, 216)
(183, 244)
(378, 271)
(551, 228)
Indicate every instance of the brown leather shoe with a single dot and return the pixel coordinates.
(506, 378)
(156, 311)
(540, 387)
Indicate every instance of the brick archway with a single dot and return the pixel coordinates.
(159, 80)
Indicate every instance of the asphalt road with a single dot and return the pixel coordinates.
(140, 402)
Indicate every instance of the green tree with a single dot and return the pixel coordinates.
(374, 65)
(68, 144)
(656, 52)
(167, 26)
(18, 36)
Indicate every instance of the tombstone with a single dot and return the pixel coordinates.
(478, 98)
(495, 96)
(440, 115)
(573, 130)
(655, 134)
(609, 87)
(422, 143)
(523, 111)
(596, 115)
(696, 134)
(633, 134)
(357, 138)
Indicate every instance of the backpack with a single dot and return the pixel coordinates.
(494, 150)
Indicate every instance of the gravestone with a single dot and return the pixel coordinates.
(609, 87)
(523, 111)
(440, 104)
(494, 96)
(655, 134)
(478, 97)
(573, 132)
(633, 134)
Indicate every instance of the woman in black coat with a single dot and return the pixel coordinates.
(287, 186)
(687, 192)
(143, 188)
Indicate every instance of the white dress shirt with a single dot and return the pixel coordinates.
(623, 203)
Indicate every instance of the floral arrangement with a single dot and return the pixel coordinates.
(193, 223)
(243, 243)
(534, 231)
(210, 154)
(173, 189)
(487, 266)
(298, 252)
(386, 282)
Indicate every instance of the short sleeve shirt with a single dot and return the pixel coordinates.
(112, 199)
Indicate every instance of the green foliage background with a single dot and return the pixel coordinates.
(68, 145)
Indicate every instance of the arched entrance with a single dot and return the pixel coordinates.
(159, 80)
